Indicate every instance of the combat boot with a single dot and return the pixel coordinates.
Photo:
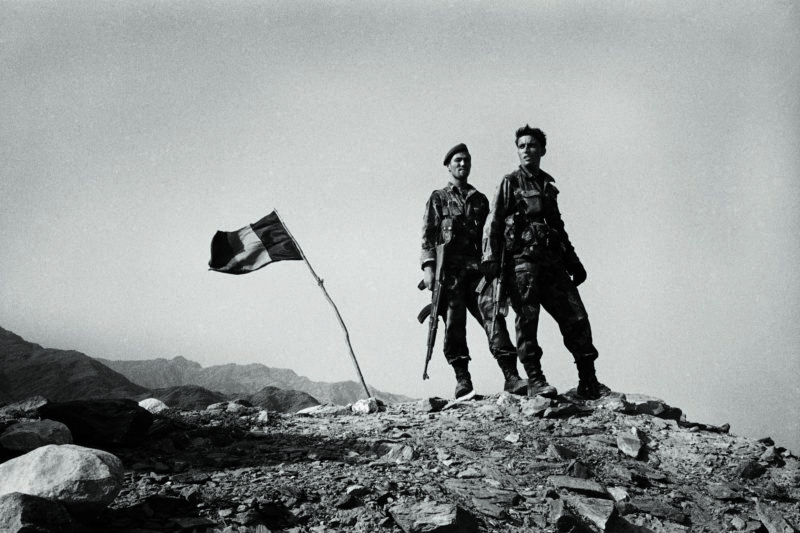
(463, 379)
(514, 383)
(537, 384)
(588, 386)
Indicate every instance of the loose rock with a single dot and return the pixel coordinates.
(24, 513)
(431, 517)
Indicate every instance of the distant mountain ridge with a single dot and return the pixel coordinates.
(236, 379)
(27, 369)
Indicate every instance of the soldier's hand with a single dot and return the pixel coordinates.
(578, 273)
(428, 277)
(490, 269)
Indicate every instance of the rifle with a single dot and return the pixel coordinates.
(498, 290)
(433, 309)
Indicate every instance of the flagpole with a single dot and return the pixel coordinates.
(328, 296)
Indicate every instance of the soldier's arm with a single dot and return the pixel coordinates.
(557, 222)
(493, 239)
(431, 222)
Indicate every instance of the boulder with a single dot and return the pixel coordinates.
(83, 479)
(399, 453)
(648, 405)
(535, 406)
(561, 453)
(561, 517)
(219, 406)
(584, 486)
(236, 407)
(750, 469)
(282, 400)
(29, 435)
(367, 406)
(154, 405)
(433, 404)
(325, 410)
(27, 408)
(630, 443)
(595, 511)
(772, 519)
(24, 513)
(100, 423)
(262, 417)
(509, 404)
(487, 499)
(432, 517)
(660, 509)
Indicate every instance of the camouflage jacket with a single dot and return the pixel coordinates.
(466, 213)
(524, 217)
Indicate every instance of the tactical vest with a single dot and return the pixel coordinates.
(527, 231)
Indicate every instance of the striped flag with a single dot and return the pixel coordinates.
(252, 247)
(262, 243)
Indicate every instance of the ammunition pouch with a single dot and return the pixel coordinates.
(462, 236)
(523, 236)
(447, 230)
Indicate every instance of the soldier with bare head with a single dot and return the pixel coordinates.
(525, 225)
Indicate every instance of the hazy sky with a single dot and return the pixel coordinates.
(132, 131)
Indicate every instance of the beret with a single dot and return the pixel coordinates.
(460, 147)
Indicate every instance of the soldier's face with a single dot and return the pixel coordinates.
(460, 165)
(529, 150)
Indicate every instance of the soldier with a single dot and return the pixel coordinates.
(460, 211)
(544, 269)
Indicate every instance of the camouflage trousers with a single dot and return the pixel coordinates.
(547, 285)
(459, 297)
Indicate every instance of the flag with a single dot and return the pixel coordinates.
(252, 247)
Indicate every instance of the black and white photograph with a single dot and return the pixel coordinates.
(319, 266)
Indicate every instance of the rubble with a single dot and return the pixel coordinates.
(498, 463)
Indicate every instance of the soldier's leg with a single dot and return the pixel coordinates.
(525, 301)
(455, 337)
(562, 300)
(481, 306)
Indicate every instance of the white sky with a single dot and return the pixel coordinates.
(132, 131)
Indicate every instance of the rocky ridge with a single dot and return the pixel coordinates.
(27, 369)
(500, 463)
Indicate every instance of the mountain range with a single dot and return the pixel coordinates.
(234, 379)
(28, 369)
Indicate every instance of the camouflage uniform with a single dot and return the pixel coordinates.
(464, 215)
(525, 219)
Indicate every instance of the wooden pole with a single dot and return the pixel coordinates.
(328, 297)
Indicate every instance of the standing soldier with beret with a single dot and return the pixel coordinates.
(457, 214)
(545, 271)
